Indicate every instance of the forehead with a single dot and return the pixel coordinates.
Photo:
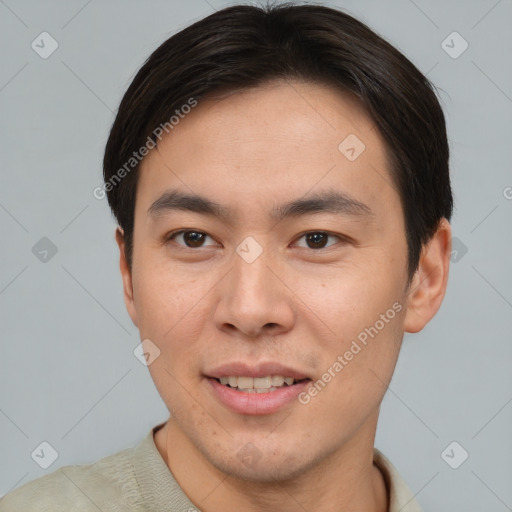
(278, 141)
(280, 111)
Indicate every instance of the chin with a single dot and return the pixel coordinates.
(253, 464)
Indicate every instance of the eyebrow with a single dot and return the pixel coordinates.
(329, 201)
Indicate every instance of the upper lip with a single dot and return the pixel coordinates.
(255, 370)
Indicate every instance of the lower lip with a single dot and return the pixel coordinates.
(256, 403)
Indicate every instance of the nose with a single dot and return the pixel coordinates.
(254, 299)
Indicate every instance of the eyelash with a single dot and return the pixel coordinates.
(171, 236)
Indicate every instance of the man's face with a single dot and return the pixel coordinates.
(295, 292)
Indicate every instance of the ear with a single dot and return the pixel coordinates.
(126, 275)
(428, 286)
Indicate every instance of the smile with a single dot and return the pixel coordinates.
(249, 397)
(267, 384)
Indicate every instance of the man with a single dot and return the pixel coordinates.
(280, 180)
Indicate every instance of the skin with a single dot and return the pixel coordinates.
(296, 303)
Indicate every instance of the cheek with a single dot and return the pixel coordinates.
(172, 310)
(166, 298)
(362, 304)
(352, 296)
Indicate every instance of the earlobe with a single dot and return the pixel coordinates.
(126, 276)
(428, 286)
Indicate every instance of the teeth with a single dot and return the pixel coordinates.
(262, 382)
(257, 384)
(277, 380)
(244, 382)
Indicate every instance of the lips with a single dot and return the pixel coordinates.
(254, 403)
(250, 390)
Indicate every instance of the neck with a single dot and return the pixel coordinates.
(346, 480)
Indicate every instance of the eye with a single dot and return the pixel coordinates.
(192, 239)
(195, 239)
(317, 239)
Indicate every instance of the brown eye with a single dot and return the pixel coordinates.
(192, 239)
(318, 239)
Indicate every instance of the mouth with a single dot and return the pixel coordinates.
(255, 396)
(267, 384)
(259, 388)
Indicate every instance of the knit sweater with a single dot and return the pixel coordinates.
(138, 480)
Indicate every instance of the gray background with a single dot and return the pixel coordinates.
(68, 375)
